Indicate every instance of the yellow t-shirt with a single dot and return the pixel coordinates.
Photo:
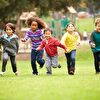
(70, 40)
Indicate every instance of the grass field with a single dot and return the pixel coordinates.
(86, 24)
(84, 85)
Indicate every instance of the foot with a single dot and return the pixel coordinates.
(97, 72)
(71, 73)
(16, 73)
(41, 65)
(59, 66)
(49, 73)
(35, 74)
(2, 73)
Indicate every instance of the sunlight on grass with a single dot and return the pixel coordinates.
(84, 85)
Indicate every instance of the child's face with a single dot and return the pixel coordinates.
(98, 27)
(70, 28)
(47, 34)
(34, 26)
(9, 31)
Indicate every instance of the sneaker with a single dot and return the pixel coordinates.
(59, 66)
(2, 73)
(41, 65)
(49, 73)
(71, 73)
(16, 73)
(35, 74)
(97, 72)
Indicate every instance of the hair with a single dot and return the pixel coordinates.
(41, 23)
(48, 29)
(12, 26)
(97, 21)
(69, 24)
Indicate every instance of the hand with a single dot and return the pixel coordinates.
(92, 45)
(23, 40)
(0, 33)
(77, 44)
(38, 48)
(65, 50)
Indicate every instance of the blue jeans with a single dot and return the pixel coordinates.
(36, 56)
(71, 60)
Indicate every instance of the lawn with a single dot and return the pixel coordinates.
(86, 24)
(84, 85)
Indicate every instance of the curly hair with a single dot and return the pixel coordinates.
(41, 23)
(11, 25)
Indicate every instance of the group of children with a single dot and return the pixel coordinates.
(42, 39)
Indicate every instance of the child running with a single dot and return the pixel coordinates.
(50, 44)
(71, 40)
(35, 34)
(95, 45)
(10, 45)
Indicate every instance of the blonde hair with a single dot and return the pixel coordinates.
(97, 21)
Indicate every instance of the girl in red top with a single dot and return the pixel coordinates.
(50, 44)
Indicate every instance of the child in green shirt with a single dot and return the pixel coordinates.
(95, 45)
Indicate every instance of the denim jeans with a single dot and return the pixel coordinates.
(97, 61)
(36, 56)
(71, 60)
(12, 59)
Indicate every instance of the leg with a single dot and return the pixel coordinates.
(55, 61)
(73, 54)
(96, 62)
(40, 59)
(4, 63)
(48, 64)
(68, 57)
(33, 62)
(13, 63)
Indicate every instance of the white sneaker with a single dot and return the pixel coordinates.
(16, 73)
(2, 73)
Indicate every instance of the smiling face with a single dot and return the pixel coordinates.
(9, 31)
(98, 27)
(70, 28)
(34, 26)
(48, 34)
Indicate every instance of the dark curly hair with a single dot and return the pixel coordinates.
(12, 26)
(41, 23)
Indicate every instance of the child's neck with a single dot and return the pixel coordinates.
(70, 32)
(10, 35)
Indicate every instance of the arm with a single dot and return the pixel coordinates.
(26, 37)
(61, 45)
(78, 38)
(91, 41)
(63, 39)
(41, 46)
(17, 45)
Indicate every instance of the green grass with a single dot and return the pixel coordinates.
(86, 24)
(84, 85)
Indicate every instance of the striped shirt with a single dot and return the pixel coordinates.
(35, 37)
